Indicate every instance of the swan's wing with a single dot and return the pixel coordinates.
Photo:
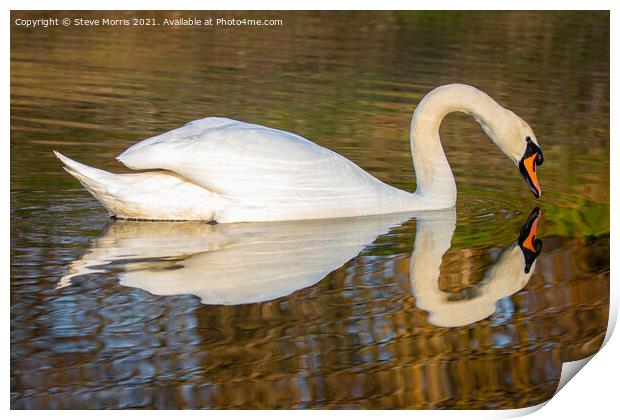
(256, 166)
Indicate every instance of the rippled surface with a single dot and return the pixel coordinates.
(106, 314)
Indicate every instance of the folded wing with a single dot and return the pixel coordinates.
(257, 166)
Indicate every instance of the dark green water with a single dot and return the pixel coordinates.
(128, 329)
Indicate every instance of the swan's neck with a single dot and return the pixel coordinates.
(435, 182)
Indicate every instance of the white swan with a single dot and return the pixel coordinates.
(227, 171)
(240, 263)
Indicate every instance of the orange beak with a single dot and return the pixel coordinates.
(527, 166)
(530, 167)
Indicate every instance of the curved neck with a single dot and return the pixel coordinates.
(435, 182)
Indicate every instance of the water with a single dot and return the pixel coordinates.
(341, 314)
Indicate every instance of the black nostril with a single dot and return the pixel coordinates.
(539, 159)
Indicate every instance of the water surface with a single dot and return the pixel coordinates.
(350, 314)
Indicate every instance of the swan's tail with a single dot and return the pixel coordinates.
(157, 195)
(101, 184)
(105, 186)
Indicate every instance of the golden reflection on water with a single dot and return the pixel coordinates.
(377, 332)
(359, 327)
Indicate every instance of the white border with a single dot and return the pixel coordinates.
(592, 395)
(309, 5)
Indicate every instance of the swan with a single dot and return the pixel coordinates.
(242, 263)
(222, 170)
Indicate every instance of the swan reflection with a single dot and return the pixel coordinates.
(509, 274)
(232, 264)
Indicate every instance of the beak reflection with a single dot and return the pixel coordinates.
(529, 244)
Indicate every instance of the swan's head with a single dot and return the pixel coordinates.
(517, 140)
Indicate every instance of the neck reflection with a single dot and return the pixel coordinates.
(509, 274)
(233, 264)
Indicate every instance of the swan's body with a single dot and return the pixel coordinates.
(229, 171)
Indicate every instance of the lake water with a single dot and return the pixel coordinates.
(433, 310)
